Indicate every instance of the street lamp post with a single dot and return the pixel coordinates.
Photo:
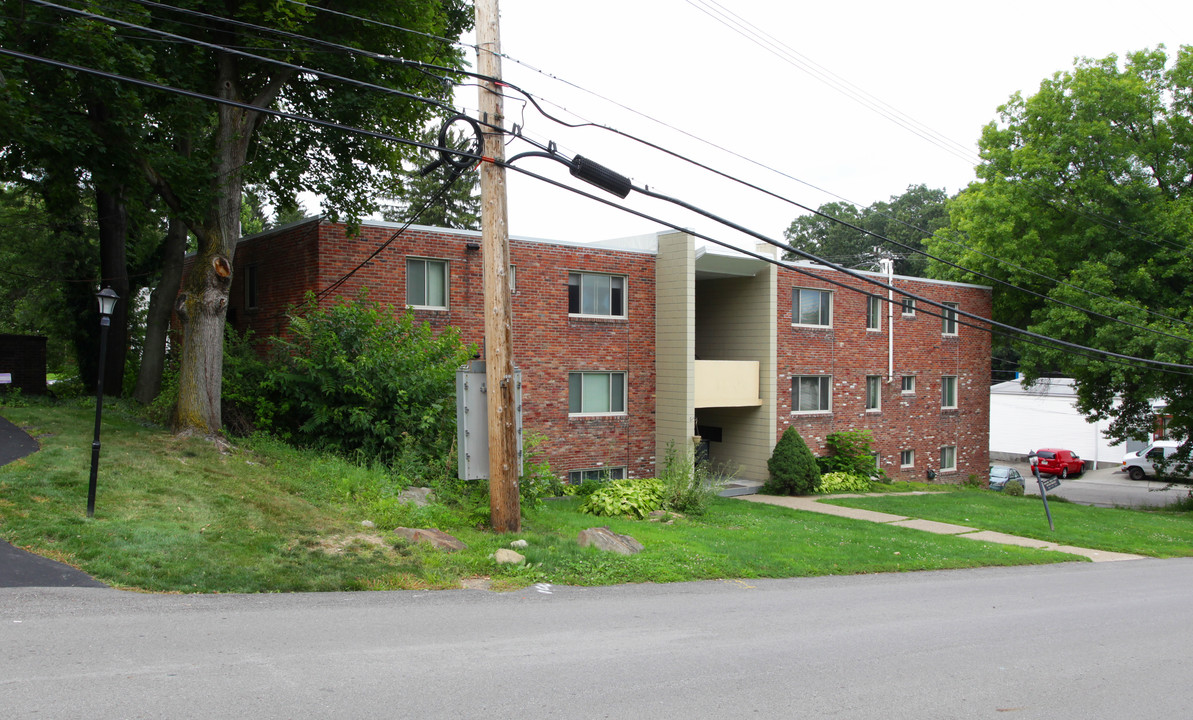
(107, 302)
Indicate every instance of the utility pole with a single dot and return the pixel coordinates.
(504, 507)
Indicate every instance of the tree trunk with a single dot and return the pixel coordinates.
(203, 305)
(113, 238)
(201, 309)
(161, 305)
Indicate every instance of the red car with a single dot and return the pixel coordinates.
(1061, 463)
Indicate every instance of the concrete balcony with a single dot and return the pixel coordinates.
(727, 383)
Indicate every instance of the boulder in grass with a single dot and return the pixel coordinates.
(609, 541)
(505, 555)
(437, 538)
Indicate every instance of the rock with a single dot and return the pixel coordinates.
(509, 556)
(606, 539)
(368, 524)
(519, 544)
(437, 538)
(420, 496)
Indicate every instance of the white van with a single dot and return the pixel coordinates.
(1138, 465)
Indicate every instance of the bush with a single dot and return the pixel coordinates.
(1014, 488)
(635, 498)
(839, 482)
(849, 452)
(689, 487)
(792, 467)
(352, 378)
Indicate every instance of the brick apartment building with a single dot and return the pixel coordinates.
(628, 346)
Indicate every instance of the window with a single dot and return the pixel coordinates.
(948, 391)
(909, 306)
(948, 319)
(873, 392)
(596, 393)
(592, 294)
(907, 458)
(811, 307)
(811, 393)
(250, 287)
(575, 477)
(426, 283)
(873, 312)
(908, 385)
(948, 457)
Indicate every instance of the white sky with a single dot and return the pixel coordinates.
(946, 64)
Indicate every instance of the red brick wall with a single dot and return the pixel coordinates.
(547, 343)
(849, 353)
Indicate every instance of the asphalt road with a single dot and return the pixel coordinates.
(1110, 487)
(1077, 640)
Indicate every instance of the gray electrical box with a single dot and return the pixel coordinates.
(472, 420)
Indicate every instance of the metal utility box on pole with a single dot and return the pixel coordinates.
(472, 421)
(505, 510)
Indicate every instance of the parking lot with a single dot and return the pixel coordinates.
(1107, 487)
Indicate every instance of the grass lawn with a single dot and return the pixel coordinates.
(1157, 533)
(177, 515)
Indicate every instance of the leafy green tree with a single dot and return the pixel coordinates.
(792, 467)
(908, 219)
(437, 203)
(196, 155)
(1085, 195)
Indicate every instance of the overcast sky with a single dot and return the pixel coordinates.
(943, 67)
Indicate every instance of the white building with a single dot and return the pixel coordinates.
(1045, 416)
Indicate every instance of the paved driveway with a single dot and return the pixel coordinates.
(19, 568)
(1109, 487)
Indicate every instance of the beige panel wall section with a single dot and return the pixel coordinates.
(737, 320)
(675, 343)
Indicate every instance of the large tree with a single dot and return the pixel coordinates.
(436, 195)
(196, 154)
(907, 220)
(1085, 195)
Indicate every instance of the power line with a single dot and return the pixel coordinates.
(951, 311)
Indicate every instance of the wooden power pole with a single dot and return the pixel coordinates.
(504, 505)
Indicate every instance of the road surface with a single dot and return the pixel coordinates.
(1076, 640)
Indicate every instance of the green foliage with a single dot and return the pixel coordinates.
(631, 497)
(1086, 184)
(689, 486)
(792, 467)
(850, 453)
(840, 482)
(907, 219)
(1013, 488)
(455, 206)
(354, 379)
(537, 481)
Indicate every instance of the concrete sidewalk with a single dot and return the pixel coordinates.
(812, 504)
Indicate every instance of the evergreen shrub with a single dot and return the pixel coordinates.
(792, 467)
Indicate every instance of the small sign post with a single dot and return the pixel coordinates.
(1051, 483)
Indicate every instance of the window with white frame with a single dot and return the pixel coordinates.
(948, 457)
(596, 393)
(909, 306)
(601, 474)
(908, 386)
(426, 283)
(948, 319)
(948, 391)
(907, 458)
(873, 392)
(811, 393)
(811, 307)
(596, 294)
(873, 312)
